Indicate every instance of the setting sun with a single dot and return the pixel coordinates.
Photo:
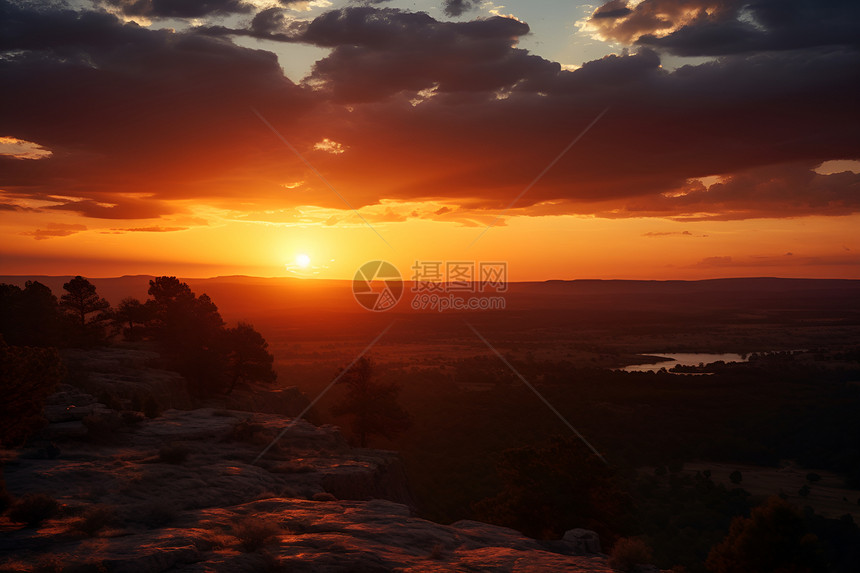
(303, 260)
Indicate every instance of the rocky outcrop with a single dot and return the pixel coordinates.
(284, 401)
(131, 375)
(282, 534)
(189, 491)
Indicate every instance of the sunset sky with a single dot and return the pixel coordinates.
(705, 138)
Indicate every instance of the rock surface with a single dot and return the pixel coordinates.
(185, 492)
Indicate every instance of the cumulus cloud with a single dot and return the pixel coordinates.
(458, 7)
(719, 27)
(179, 8)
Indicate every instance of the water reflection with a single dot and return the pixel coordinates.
(684, 359)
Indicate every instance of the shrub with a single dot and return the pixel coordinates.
(628, 553)
(813, 477)
(736, 477)
(33, 509)
(803, 491)
(249, 432)
(94, 519)
(775, 537)
(173, 453)
(254, 533)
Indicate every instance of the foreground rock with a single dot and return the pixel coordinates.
(186, 492)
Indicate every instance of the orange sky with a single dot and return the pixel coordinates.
(632, 152)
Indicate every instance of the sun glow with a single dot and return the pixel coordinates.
(302, 260)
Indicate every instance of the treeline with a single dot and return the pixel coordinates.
(187, 328)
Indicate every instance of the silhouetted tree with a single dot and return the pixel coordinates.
(248, 359)
(130, 316)
(29, 316)
(736, 477)
(774, 538)
(551, 488)
(181, 318)
(80, 301)
(27, 376)
(191, 332)
(373, 406)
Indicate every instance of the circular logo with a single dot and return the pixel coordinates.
(377, 285)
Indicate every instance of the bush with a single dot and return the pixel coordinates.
(813, 477)
(94, 519)
(775, 537)
(173, 453)
(249, 432)
(254, 533)
(33, 509)
(628, 553)
(736, 477)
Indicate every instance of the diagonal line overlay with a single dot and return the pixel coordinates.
(295, 420)
(540, 176)
(538, 394)
(318, 174)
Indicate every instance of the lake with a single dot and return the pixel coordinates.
(683, 359)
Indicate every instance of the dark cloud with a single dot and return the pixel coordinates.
(378, 53)
(269, 24)
(778, 190)
(719, 27)
(612, 9)
(458, 7)
(154, 114)
(178, 8)
(143, 121)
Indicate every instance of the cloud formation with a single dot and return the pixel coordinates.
(721, 27)
(55, 230)
(150, 122)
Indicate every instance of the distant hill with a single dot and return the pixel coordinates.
(244, 295)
